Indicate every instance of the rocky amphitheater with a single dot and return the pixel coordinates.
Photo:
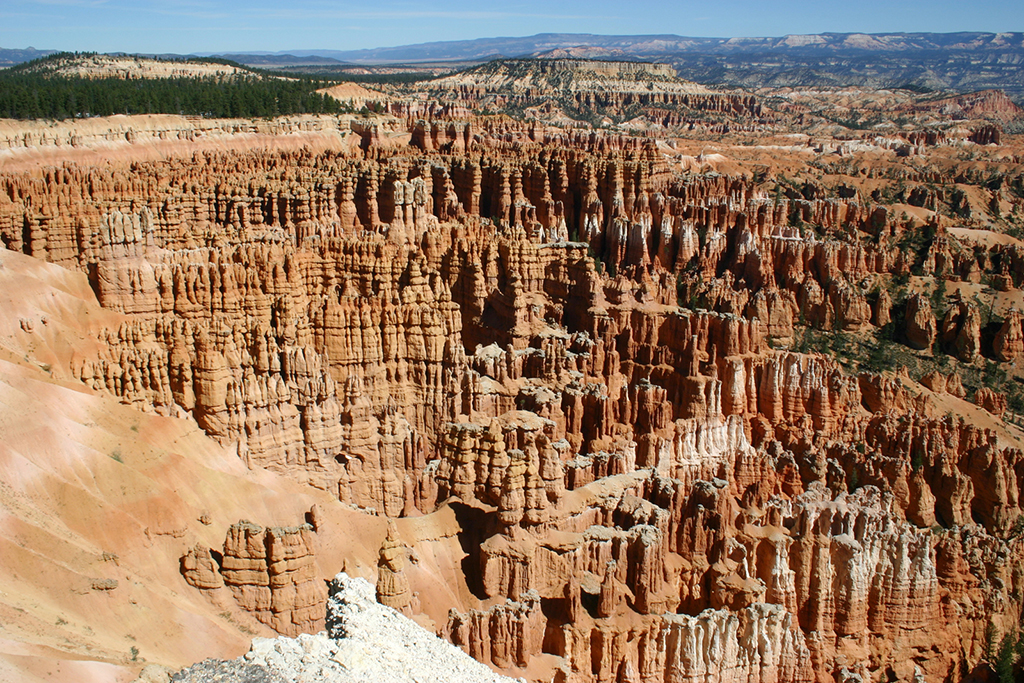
(594, 404)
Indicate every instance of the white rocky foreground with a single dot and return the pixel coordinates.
(367, 642)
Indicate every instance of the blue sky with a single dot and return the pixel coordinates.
(184, 26)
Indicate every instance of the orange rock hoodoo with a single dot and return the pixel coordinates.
(271, 573)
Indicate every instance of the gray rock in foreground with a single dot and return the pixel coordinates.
(220, 671)
(365, 642)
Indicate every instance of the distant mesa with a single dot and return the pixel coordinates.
(579, 88)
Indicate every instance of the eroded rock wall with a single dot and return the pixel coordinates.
(490, 317)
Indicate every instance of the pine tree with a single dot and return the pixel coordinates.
(1006, 658)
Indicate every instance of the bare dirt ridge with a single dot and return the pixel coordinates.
(130, 67)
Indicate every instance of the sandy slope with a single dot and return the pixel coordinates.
(355, 94)
(93, 492)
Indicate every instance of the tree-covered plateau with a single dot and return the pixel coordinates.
(27, 95)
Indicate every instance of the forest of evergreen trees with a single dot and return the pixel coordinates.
(30, 92)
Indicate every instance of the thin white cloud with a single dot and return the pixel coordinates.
(473, 15)
(70, 3)
(310, 12)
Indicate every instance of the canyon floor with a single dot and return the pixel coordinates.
(599, 374)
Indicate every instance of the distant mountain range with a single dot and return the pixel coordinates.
(925, 61)
(833, 44)
(10, 57)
